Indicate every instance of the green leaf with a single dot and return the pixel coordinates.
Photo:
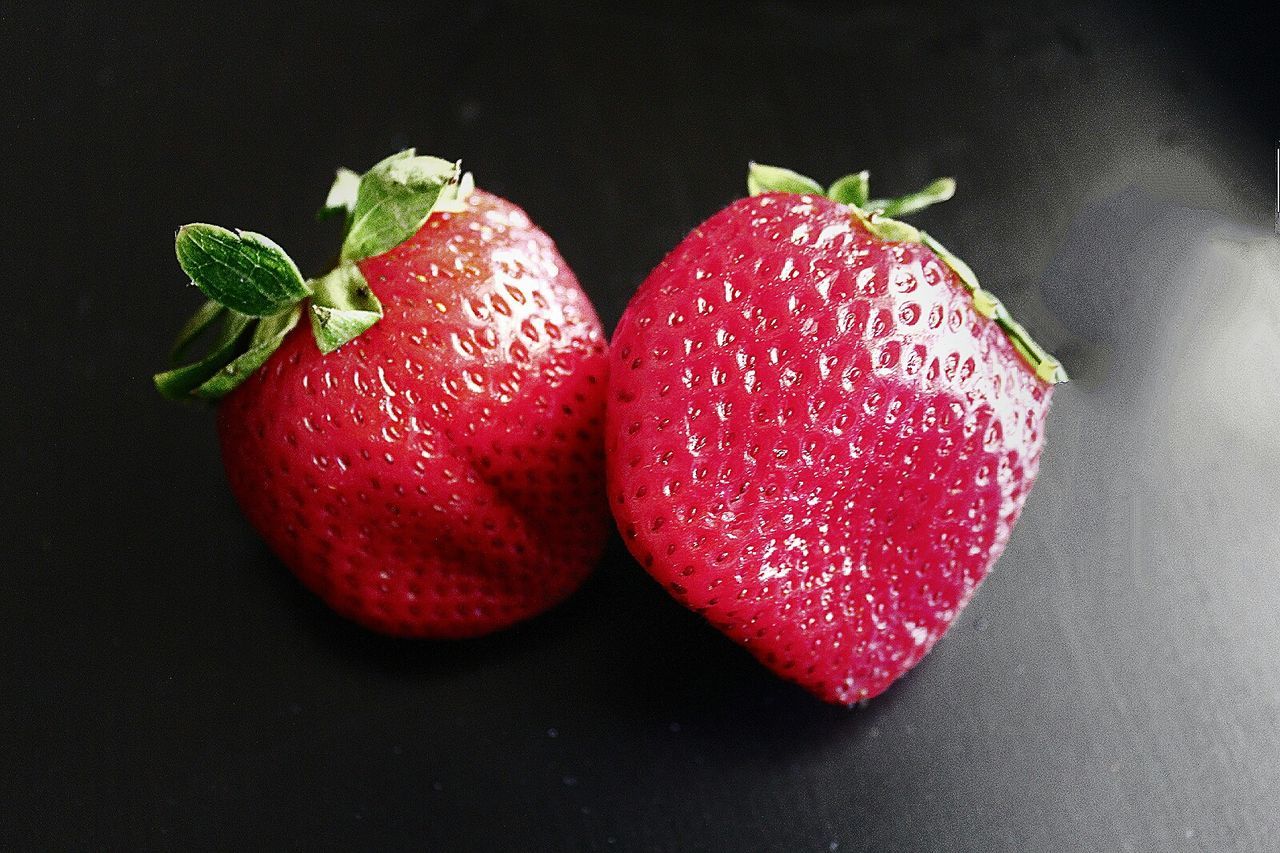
(453, 197)
(342, 195)
(986, 304)
(891, 229)
(177, 384)
(343, 307)
(1047, 368)
(877, 215)
(268, 334)
(241, 270)
(395, 197)
(961, 269)
(775, 179)
(940, 190)
(191, 331)
(851, 189)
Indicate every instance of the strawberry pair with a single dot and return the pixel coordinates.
(817, 429)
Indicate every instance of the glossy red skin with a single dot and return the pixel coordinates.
(815, 441)
(441, 475)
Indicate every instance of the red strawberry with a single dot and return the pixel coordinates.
(821, 431)
(441, 474)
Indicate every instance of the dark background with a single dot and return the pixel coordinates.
(165, 682)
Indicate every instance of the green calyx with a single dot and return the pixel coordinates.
(256, 295)
(876, 215)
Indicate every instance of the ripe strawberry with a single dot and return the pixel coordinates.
(441, 474)
(821, 431)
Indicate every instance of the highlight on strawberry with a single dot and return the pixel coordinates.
(425, 452)
(821, 429)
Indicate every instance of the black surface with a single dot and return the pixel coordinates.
(1114, 685)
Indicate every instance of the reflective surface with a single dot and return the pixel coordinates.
(1113, 685)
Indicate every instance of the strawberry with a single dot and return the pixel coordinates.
(428, 456)
(821, 430)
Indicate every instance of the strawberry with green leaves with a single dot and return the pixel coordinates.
(821, 429)
(418, 432)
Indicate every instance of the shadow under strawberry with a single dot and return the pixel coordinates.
(619, 648)
(414, 658)
(668, 667)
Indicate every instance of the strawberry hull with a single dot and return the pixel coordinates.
(815, 441)
(441, 474)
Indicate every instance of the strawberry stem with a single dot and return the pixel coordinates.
(257, 292)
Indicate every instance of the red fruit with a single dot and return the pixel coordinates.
(440, 475)
(813, 437)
